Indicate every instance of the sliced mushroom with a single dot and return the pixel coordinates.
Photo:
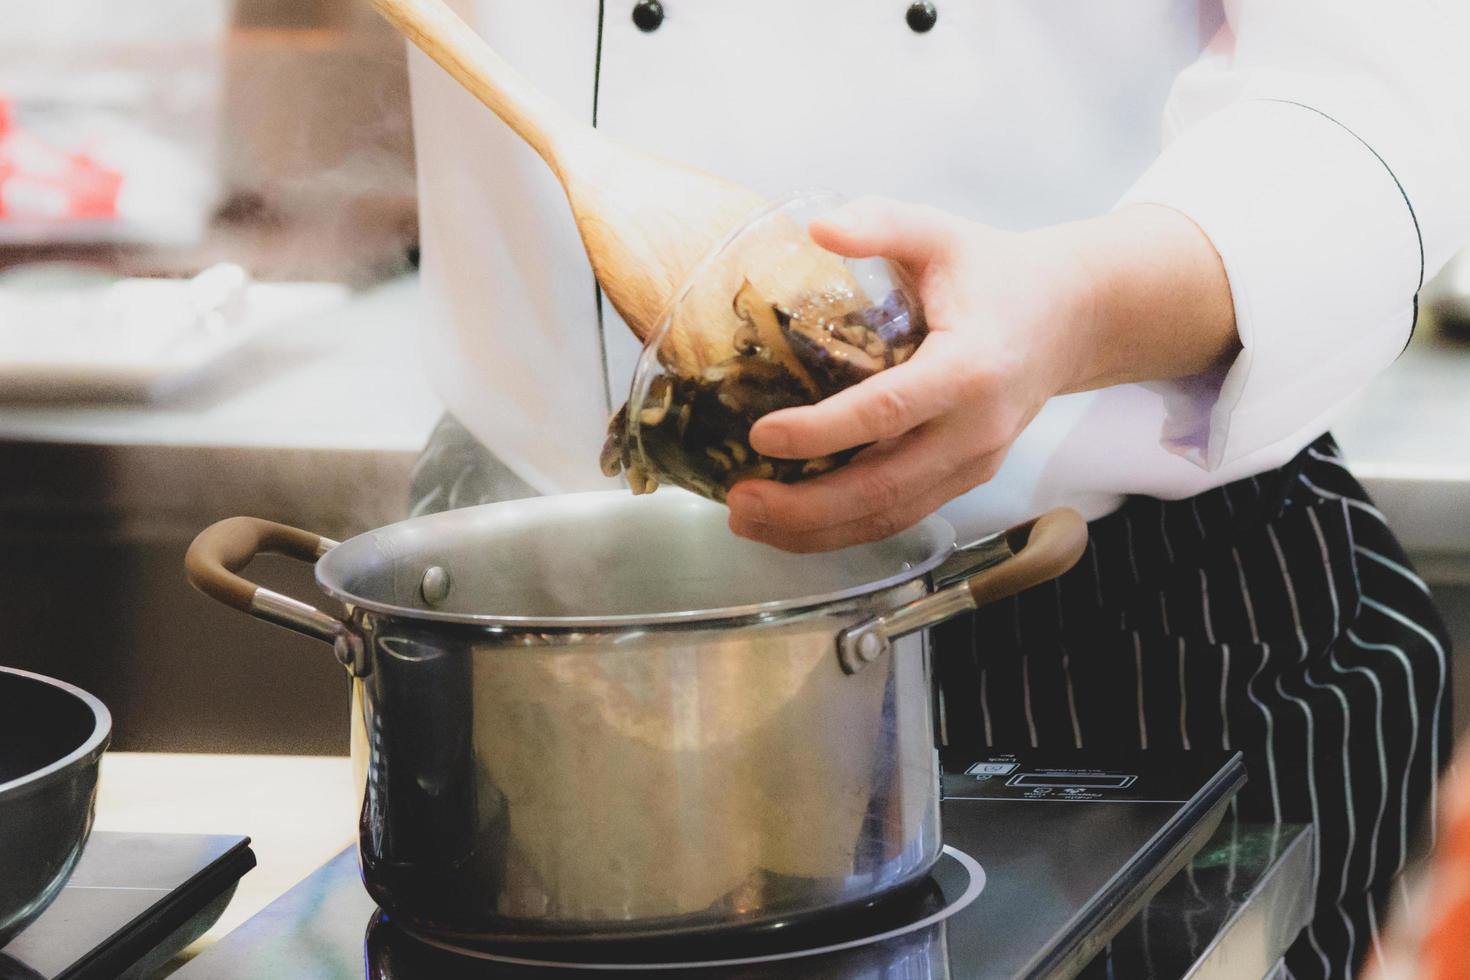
(835, 363)
(747, 338)
(855, 333)
(614, 448)
(721, 460)
(640, 481)
(657, 402)
(750, 387)
(760, 316)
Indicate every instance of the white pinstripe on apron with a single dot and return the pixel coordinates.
(1276, 615)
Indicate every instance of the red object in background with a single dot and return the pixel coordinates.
(39, 182)
(1447, 944)
(1429, 936)
(92, 188)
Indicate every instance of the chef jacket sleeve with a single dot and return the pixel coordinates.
(1324, 148)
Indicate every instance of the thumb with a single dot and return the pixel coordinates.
(912, 235)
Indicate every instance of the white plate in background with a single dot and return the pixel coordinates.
(72, 333)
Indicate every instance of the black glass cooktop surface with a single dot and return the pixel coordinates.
(133, 901)
(1047, 857)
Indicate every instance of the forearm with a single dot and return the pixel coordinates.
(1155, 302)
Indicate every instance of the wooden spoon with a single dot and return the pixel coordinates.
(645, 222)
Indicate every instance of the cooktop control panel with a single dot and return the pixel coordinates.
(1074, 779)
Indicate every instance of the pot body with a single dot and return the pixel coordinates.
(602, 716)
(523, 785)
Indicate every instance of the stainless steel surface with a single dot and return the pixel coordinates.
(295, 615)
(968, 559)
(1231, 914)
(625, 720)
(1038, 550)
(1407, 438)
(610, 560)
(1448, 294)
(866, 642)
(614, 783)
(1270, 917)
(292, 614)
(435, 586)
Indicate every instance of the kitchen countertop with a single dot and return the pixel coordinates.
(314, 422)
(1407, 437)
(1414, 419)
(347, 379)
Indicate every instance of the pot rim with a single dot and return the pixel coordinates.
(933, 527)
(89, 750)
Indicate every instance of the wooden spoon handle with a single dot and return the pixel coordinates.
(440, 33)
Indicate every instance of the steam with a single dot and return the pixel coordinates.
(318, 151)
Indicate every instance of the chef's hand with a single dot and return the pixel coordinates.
(1013, 319)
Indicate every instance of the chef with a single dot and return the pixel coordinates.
(1158, 243)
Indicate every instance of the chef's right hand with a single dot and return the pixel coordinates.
(1013, 319)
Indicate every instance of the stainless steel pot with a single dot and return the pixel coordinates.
(599, 715)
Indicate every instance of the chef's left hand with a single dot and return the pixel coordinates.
(1013, 319)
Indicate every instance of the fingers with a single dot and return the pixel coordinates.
(880, 478)
(884, 406)
(910, 234)
(884, 490)
(872, 527)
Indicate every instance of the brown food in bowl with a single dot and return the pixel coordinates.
(695, 430)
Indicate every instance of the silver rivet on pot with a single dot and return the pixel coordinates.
(870, 647)
(435, 586)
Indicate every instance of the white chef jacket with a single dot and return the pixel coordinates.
(1320, 144)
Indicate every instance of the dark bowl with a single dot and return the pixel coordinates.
(51, 738)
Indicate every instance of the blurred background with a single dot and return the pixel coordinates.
(207, 308)
(207, 305)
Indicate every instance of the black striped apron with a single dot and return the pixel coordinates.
(1277, 616)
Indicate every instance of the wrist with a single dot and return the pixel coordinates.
(1077, 283)
(1158, 303)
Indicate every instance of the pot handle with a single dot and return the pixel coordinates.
(1040, 550)
(223, 549)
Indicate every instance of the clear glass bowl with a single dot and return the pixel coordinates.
(768, 320)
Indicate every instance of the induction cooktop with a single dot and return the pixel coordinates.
(1047, 857)
(131, 903)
